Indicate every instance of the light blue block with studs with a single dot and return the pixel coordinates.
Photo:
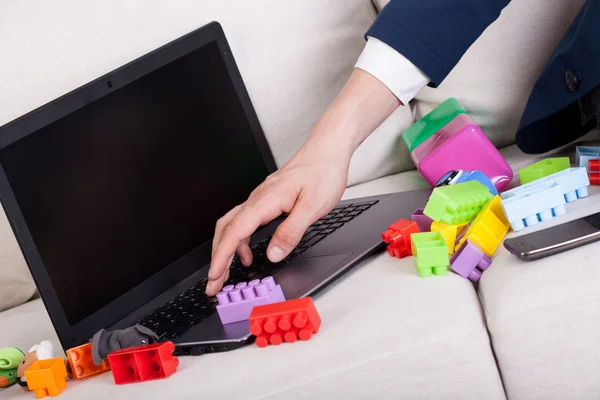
(573, 182)
(583, 154)
(535, 204)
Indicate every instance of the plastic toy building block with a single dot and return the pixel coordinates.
(458, 176)
(594, 179)
(82, 365)
(470, 261)
(573, 183)
(289, 320)
(47, 377)
(594, 165)
(489, 228)
(143, 363)
(457, 204)
(543, 168)
(583, 154)
(431, 253)
(236, 302)
(449, 233)
(422, 220)
(535, 204)
(397, 237)
(461, 145)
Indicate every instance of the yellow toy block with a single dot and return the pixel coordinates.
(449, 233)
(489, 228)
(47, 377)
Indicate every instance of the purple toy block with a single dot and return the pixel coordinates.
(470, 261)
(236, 302)
(422, 220)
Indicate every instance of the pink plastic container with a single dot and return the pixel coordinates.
(461, 144)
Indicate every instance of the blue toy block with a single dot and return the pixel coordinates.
(480, 177)
(583, 154)
(459, 176)
(572, 181)
(534, 204)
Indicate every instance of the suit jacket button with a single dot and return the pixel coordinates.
(573, 80)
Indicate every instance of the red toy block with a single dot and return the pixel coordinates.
(80, 360)
(397, 237)
(594, 165)
(286, 321)
(143, 363)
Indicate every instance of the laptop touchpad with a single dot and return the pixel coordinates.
(306, 272)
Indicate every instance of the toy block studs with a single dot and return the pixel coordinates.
(431, 253)
(489, 228)
(422, 220)
(470, 261)
(573, 183)
(47, 377)
(82, 365)
(143, 363)
(543, 168)
(449, 233)
(528, 207)
(285, 321)
(457, 204)
(236, 302)
(397, 237)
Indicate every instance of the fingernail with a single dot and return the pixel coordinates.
(275, 254)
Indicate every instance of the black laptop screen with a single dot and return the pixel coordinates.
(125, 186)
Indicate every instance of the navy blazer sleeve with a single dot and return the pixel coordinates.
(434, 34)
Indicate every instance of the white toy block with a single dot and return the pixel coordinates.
(573, 182)
(530, 206)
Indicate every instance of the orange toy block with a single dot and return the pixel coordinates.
(47, 377)
(80, 360)
(288, 320)
(397, 237)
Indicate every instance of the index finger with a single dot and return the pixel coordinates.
(241, 227)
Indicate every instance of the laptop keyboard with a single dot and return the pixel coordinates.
(193, 306)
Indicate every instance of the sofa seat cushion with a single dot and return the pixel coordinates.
(544, 316)
(386, 332)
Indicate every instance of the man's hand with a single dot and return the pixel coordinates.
(306, 188)
(309, 185)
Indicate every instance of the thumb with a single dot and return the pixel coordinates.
(290, 232)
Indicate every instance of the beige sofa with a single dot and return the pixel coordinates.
(528, 331)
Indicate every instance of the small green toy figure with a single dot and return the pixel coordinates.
(10, 357)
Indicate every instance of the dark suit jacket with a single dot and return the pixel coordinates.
(434, 35)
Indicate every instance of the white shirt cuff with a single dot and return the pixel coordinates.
(394, 70)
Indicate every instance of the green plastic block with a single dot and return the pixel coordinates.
(432, 122)
(543, 168)
(457, 204)
(431, 253)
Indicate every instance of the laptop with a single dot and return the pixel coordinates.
(113, 191)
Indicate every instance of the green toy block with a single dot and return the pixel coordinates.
(543, 168)
(457, 204)
(432, 122)
(431, 253)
